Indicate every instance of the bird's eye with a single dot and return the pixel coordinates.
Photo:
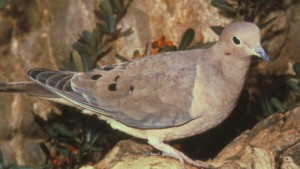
(236, 40)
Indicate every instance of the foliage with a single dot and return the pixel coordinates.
(242, 10)
(73, 139)
(273, 105)
(92, 46)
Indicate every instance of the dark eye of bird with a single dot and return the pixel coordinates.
(236, 40)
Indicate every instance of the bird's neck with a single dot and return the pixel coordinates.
(232, 67)
(234, 62)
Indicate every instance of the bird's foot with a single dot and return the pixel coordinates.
(170, 151)
(196, 163)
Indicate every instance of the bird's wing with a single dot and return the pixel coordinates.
(154, 92)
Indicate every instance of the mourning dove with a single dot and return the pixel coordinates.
(162, 97)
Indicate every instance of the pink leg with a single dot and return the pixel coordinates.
(177, 154)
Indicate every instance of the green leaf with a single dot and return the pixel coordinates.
(99, 34)
(63, 150)
(270, 109)
(103, 28)
(187, 39)
(45, 126)
(277, 104)
(111, 23)
(121, 58)
(127, 32)
(101, 15)
(94, 39)
(167, 49)
(223, 5)
(267, 106)
(86, 36)
(296, 67)
(95, 138)
(106, 7)
(291, 105)
(265, 24)
(118, 6)
(293, 85)
(62, 130)
(217, 29)
(89, 136)
(87, 63)
(83, 48)
(79, 66)
(202, 46)
(98, 149)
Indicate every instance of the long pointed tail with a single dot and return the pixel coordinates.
(29, 88)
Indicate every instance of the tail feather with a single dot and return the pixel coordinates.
(29, 88)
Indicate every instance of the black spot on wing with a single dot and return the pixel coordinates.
(112, 87)
(108, 68)
(96, 76)
(117, 78)
(131, 88)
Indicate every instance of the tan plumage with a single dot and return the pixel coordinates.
(161, 97)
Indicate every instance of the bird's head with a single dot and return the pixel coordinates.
(244, 38)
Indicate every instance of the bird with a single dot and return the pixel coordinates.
(162, 97)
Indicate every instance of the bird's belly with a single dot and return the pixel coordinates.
(197, 126)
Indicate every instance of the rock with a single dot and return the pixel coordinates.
(271, 143)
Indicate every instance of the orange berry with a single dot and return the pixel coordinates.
(160, 44)
(73, 149)
(154, 51)
(169, 43)
(90, 163)
(55, 162)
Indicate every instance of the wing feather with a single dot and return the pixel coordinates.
(144, 98)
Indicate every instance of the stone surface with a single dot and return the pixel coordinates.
(267, 144)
